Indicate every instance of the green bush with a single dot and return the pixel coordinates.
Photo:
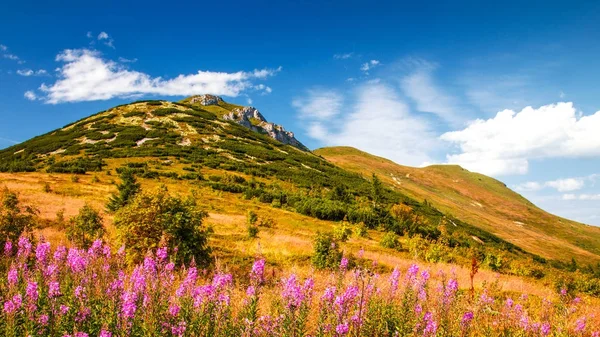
(390, 240)
(326, 252)
(86, 227)
(128, 188)
(154, 219)
(15, 219)
(341, 233)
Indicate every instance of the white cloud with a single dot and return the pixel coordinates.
(103, 36)
(562, 95)
(566, 185)
(319, 104)
(11, 57)
(420, 87)
(378, 122)
(249, 101)
(86, 76)
(505, 143)
(30, 95)
(529, 186)
(369, 65)
(344, 56)
(583, 197)
(561, 185)
(89, 35)
(29, 72)
(3, 47)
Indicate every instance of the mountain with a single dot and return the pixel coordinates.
(204, 143)
(479, 200)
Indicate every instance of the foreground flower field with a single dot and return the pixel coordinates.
(76, 292)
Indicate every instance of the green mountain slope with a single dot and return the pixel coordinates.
(203, 141)
(479, 200)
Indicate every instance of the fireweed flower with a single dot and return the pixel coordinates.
(329, 294)
(60, 253)
(53, 289)
(394, 280)
(64, 309)
(292, 292)
(13, 276)
(161, 254)
(77, 260)
(466, 319)
(174, 309)
(32, 292)
(43, 320)
(129, 306)
(189, 281)
(42, 251)
(24, 247)
(105, 333)
(580, 324)
(8, 247)
(344, 264)
(342, 329)
(258, 270)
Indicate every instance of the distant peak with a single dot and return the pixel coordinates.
(205, 99)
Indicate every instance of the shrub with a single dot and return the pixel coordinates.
(128, 188)
(361, 230)
(75, 178)
(341, 233)
(156, 218)
(47, 188)
(15, 220)
(251, 218)
(326, 252)
(390, 240)
(252, 231)
(86, 227)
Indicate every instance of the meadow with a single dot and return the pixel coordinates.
(59, 291)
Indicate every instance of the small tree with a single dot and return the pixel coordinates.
(128, 189)
(86, 227)
(153, 219)
(390, 240)
(326, 252)
(376, 190)
(15, 220)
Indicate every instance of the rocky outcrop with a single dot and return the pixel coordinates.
(252, 118)
(206, 100)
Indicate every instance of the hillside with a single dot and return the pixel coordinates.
(233, 160)
(478, 200)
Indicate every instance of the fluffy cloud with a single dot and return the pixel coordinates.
(29, 72)
(378, 122)
(3, 47)
(369, 65)
(566, 185)
(561, 185)
(505, 143)
(86, 76)
(30, 95)
(319, 104)
(420, 87)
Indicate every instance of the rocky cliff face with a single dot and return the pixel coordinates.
(206, 100)
(252, 118)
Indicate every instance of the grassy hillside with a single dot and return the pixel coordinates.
(478, 200)
(191, 148)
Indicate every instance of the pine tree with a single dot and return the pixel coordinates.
(128, 188)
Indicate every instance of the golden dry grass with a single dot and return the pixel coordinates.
(480, 201)
(287, 246)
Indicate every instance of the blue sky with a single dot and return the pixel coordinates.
(507, 89)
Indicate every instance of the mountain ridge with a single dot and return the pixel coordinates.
(477, 199)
